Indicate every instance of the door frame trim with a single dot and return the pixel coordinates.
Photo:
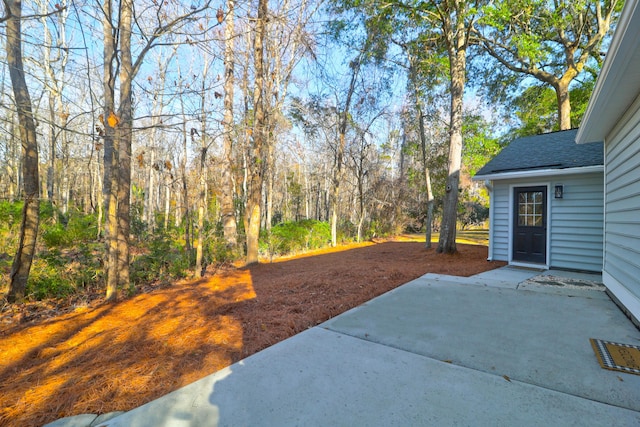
(512, 188)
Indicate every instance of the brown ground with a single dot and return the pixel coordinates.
(106, 357)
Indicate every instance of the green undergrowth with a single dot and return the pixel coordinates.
(71, 250)
(295, 236)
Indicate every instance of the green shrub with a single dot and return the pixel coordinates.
(295, 236)
(75, 229)
(47, 280)
(163, 262)
(347, 231)
(82, 228)
(217, 251)
(55, 236)
(57, 274)
(10, 214)
(47, 211)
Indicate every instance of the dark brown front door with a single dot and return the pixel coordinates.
(530, 225)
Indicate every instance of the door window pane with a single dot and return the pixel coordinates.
(530, 206)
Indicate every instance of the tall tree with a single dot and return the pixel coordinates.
(30, 216)
(535, 109)
(455, 20)
(227, 198)
(288, 39)
(119, 65)
(54, 62)
(258, 150)
(205, 141)
(414, 73)
(445, 30)
(552, 42)
(343, 121)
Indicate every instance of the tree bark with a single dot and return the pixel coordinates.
(124, 134)
(457, 62)
(202, 200)
(52, 150)
(228, 209)
(202, 196)
(30, 212)
(257, 157)
(118, 173)
(564, 103)
(342, 131)
(186, 211)
(110, 180)
(427, 175)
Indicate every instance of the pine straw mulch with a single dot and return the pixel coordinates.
(98, 357)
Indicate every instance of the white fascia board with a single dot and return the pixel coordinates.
(618, 84)
(539, 173)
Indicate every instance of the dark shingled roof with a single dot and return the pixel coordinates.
(555, 150)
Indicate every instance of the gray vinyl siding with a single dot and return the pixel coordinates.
(577, 222)
(622, 183)
(500, 226)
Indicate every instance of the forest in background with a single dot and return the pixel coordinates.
(169, 137)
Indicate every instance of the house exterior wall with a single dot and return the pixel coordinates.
(499, 228)
(575, 222)
(622, 211)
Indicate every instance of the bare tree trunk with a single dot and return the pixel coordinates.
(258, 149)
(124, 134)
(269, 132)
(227, 196)
(118, 156)
(186, 216)
(361, 207)
(152, 194)
(167, 207)
(149, 214)
(98, 196)
(66, 190)
(202, 199)
(423, 145)
(246, 134)
(342, 131)
(12, 167)
(457, 60)
(270, 174)
(307, 191)
(110, 180)
(427, 175)
(564, 103)
(30, 216)
(52, 149)
(54, 81)
(122, 124)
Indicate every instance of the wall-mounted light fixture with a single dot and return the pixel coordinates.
(559, 191)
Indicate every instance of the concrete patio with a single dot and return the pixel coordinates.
(494, 349)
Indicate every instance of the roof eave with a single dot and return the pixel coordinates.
(618, 84)
(539, 173)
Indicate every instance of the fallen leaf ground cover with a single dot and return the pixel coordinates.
(97, 357)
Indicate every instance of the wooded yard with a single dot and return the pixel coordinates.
(97, 357)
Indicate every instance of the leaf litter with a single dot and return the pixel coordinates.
(71, 357)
